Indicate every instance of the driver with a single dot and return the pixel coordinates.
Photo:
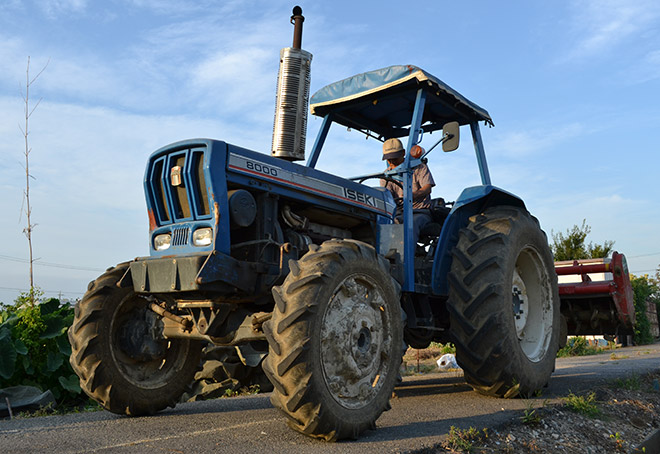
(394, 154)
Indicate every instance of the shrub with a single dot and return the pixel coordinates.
(585, 405)
(643, 290)
(35, 348)
(577, 346)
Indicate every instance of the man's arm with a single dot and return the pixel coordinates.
(422, 192)
(425, 181)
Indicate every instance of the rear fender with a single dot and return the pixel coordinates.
(472, 201)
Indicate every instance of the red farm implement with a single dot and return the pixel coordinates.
(596, 296)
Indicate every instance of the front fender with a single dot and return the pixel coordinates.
(472, 201)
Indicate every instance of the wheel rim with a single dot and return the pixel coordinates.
(532, 304)
(356, 340)
(142, 355)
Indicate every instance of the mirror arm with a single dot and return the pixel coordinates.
(446, 136)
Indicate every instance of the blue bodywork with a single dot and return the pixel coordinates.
(224, 165)
(187, 183)
(206, 171)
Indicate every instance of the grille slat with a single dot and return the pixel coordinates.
(180, 236)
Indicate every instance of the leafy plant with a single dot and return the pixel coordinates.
(244, 391)
(444, 348)
(577, 346)
(583, 405)
(615, 357)
(531, 416)
(35, 348)
(572, 246)
(645, 290)
(620, 444)
(630, 383)
(464, 440)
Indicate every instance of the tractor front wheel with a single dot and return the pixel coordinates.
(119, 354)
(504, 303)
(336, 340)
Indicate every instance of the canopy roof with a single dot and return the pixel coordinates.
(383, 101)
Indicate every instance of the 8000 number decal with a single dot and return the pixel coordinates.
(255, 166)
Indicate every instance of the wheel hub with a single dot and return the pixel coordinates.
(138, 338)
(143, 356)
(355, 342)
(532, 304)
(520, 304)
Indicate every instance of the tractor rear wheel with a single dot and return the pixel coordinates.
(117, 351)
(504, 303)
(335, 340)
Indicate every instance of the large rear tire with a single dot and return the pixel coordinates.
(118, 353)
(504, 303)
(336, 340)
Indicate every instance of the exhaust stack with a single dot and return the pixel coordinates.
(292, 103)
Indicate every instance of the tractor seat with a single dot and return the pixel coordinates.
(429, 234)
(431, 229)
(439, 210)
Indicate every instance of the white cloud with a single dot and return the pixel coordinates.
(645, 70)
(88, 164)
(182, 7)
(529, 142)
(616, 214)
(601, 26)
(52, 8)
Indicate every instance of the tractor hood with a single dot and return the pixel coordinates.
(382, 102)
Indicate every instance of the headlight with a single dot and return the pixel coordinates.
(162, 241)
(203, 237)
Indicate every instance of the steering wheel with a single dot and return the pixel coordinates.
(382, 177)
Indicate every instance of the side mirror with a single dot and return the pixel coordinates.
(450, 133)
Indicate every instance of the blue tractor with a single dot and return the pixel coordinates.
(308, 276)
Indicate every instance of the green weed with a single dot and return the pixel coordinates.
(444, 348)
(244, 391)
(583, 405)
(578, 346)
(630, 383)
(531, 416)
(35, 348)
(620, 443)
(464, 440)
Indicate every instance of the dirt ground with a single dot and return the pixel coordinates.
(615, 418)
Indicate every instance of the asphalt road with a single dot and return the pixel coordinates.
(424, 409)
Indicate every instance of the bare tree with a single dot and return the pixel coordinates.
(27, 208)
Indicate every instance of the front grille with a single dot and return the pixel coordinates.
(180, 191)
(177, 187)
(180, 236)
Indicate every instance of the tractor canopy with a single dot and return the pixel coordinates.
(381, 102)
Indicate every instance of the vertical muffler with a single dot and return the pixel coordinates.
(293, 80)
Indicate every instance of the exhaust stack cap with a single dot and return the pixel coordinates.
(297, 20)
(292, 103)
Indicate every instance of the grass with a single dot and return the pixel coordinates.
(423, 361)
(464, 440)
(531, 416)
(584, 405)
(579, 346)
(631, 383)
(614, 356)
(50, 410)
(245, 391)
(444, 348)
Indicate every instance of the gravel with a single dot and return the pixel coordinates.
(615, 418)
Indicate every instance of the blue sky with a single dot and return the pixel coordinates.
(572, 85)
